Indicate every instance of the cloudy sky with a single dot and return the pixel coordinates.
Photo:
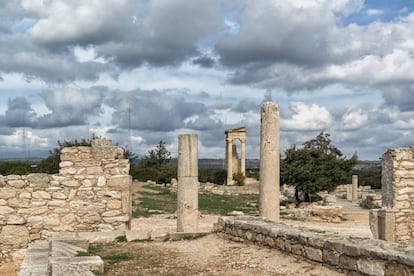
(141, 71)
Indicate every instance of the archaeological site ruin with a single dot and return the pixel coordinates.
(234, 164)
(53, 217)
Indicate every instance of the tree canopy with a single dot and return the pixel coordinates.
(157, 156)
(315, 167)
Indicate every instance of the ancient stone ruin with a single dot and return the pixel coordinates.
(187, 190)
(395, 220)
(91, 192)
(232, 159)
(269, 161)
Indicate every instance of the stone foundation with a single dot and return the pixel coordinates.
(90, 193)
(354, 256)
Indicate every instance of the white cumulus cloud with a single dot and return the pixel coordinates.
(307, 117)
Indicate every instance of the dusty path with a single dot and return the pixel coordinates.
(210, 255)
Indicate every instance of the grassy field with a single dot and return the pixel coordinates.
(158, 199)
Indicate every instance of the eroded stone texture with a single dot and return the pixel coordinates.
(91, 192)
(187, 190)
(354, 256)
(269, 161)
(234, 165)
(394, 222)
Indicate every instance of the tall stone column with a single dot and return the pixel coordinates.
(187, 190)
(243, 157)
(229, 155)
(354, 188)
(269, 162)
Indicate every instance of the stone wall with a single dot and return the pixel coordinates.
(395, 220)
(90, 193)
(354, 256)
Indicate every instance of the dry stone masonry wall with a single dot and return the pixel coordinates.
(395, 220)
(354, 256)
(90, 193)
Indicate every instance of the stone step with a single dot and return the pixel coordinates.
(35, 262)
(63, 249)
(79, 266)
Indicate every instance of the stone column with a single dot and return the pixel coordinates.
(354, 188)
(269, 162)
(229, 157)
(187, 190)
(243, 157)
(349, 192)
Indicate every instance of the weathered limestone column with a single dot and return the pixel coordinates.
(229, 157)
(349, 192)
(187, 191)
(354, 188)
(269, 162)
(243, 157)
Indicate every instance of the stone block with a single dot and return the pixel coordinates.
(59, 195)
(6, 193)
(13, 235)
(25, 195)
(51, 220)
(347, 262)
(91, 217)
(5, 210)
(114, 204)
(111, 213)
(18, 203)
(101, 181)
(371, 267)
(121, 182)
(38, 180)
(67, 171)
(63, 266)
(71, 183)
(16, 183)
(331, 257)
(41, 195)
(137, 236)
(57, 203)
(2, 182)
(314, 254)
(3, 202)
(13, 177)
(16, 220)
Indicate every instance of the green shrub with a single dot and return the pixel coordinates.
(216, 176)
(239, 178)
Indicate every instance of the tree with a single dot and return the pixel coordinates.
(317, 166)
(157, 157)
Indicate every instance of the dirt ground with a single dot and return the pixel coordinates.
(209, 255)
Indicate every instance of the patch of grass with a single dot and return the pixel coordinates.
(93, 249)
(118, 257)
(82, 254)
(163, 200)
(223, 204)
(166, 202)
(96, 273)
